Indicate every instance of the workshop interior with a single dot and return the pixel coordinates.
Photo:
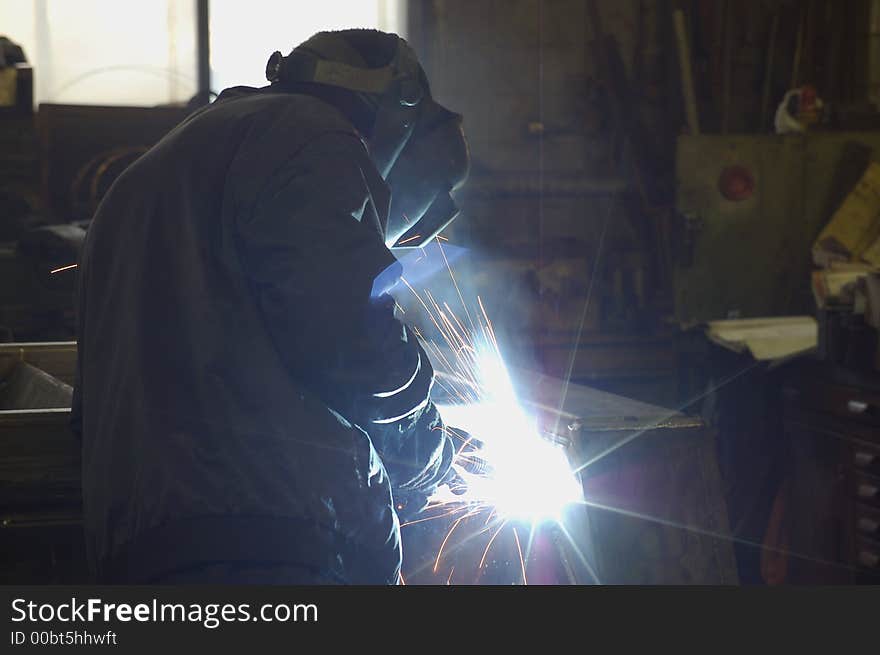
(653, 324)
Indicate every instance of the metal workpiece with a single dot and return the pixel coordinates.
(652, 513)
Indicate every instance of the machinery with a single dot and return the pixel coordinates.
(751, 208)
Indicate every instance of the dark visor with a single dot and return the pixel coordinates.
(441, 212)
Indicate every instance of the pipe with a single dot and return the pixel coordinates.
(687, 77)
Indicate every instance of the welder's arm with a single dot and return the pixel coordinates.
(398, 414)
(76, 416)
(312, 264)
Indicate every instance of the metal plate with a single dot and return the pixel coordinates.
(658, 513)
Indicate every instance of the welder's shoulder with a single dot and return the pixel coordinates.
(286, 121)
(289, 132)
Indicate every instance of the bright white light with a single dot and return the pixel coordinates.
(244, 34)
(530, 477)
(127, 53)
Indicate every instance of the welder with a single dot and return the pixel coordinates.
(250, 407)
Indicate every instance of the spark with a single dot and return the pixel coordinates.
(422, 302)
(527, 477)
(489, 545)
(445, 540)
(455, 282)
(450, 512)
(63, 268)
(511, 472)
(522, 561)
(531, 541)
(408, 239)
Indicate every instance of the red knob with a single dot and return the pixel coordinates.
(736, 183)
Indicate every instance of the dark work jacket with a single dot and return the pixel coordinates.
(241, 393)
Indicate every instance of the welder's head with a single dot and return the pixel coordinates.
(417, 145)
(434, 162)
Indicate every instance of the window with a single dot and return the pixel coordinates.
(144, 53)
(106, 51)
(244, 34)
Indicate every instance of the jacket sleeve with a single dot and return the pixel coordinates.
(76, 405)
(312, 263)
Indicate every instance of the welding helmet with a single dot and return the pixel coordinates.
(381, 77)
(434, 162)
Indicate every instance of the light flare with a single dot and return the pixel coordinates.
(524, 476)
(512, 474)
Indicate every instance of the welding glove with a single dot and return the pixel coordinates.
(457, 484)
(469, 453)
(409, 504)
(468, 458)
